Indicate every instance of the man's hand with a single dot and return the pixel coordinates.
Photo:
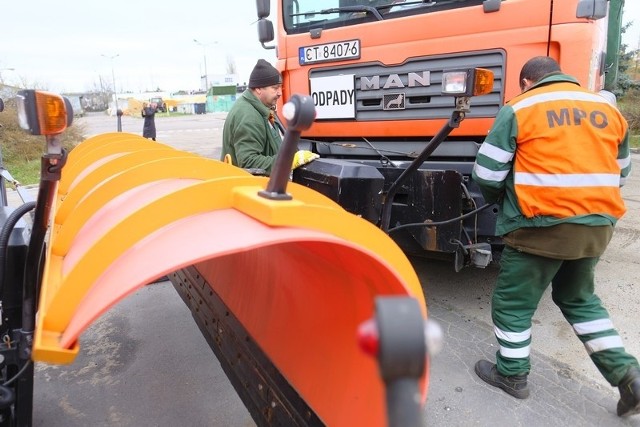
(302, 157)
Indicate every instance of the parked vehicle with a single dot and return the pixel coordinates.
(76, 103)
(161, 106)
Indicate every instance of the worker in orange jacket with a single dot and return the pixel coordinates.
(554, 160)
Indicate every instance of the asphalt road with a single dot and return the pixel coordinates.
(144, 363)
(200, 133)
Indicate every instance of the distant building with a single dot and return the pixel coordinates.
(221, 98)
(219, 80)
(93, 101)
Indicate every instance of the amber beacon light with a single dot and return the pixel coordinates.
(43, 113)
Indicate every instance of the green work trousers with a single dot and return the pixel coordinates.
(521, 283)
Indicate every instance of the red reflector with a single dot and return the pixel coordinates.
(368, 338)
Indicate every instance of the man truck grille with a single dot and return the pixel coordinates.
(413, 90)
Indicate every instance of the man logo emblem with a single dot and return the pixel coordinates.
(393, 101)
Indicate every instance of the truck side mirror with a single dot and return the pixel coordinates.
(489, 6)
(265, 32)
(592, 9)
(264, 8)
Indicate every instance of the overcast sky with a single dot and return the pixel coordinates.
(59, 45)
(631, 13)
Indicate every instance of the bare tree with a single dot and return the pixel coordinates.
(98, 94)
(103, 85)
(231, 65)
(25, 83)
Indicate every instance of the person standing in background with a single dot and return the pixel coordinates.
(149, 126)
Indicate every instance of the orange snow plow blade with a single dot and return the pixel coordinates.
(299, 275)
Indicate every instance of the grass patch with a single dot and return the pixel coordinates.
(26, 173)
(629, 106)
(21, 152)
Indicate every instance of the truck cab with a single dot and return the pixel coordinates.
(374, 70)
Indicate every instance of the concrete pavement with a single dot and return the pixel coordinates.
(559, 397)
(144, 363)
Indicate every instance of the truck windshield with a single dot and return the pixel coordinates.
(305, 15)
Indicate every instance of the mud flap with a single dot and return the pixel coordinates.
(459, 259)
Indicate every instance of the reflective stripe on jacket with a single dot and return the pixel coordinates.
(567, 148)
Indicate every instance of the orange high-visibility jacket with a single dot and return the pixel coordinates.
(567, 148)
(555, 154)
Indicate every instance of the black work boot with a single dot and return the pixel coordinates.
(515, 385)
(629, 403)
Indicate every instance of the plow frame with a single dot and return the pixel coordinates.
(273, 392)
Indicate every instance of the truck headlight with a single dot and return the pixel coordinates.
(469, 82)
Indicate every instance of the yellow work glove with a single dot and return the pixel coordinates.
(302, 157)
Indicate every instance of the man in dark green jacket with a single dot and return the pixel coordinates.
(252, 136)
(249, 137)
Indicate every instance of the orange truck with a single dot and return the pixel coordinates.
(374, 70)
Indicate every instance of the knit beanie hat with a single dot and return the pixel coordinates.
(263, 75)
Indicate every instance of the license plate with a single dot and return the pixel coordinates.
(348, 49)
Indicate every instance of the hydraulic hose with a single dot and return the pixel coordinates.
(5, 235)
(14, 378)
(435, 224)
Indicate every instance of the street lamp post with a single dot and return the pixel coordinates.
(115, 93)
(204, 51)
